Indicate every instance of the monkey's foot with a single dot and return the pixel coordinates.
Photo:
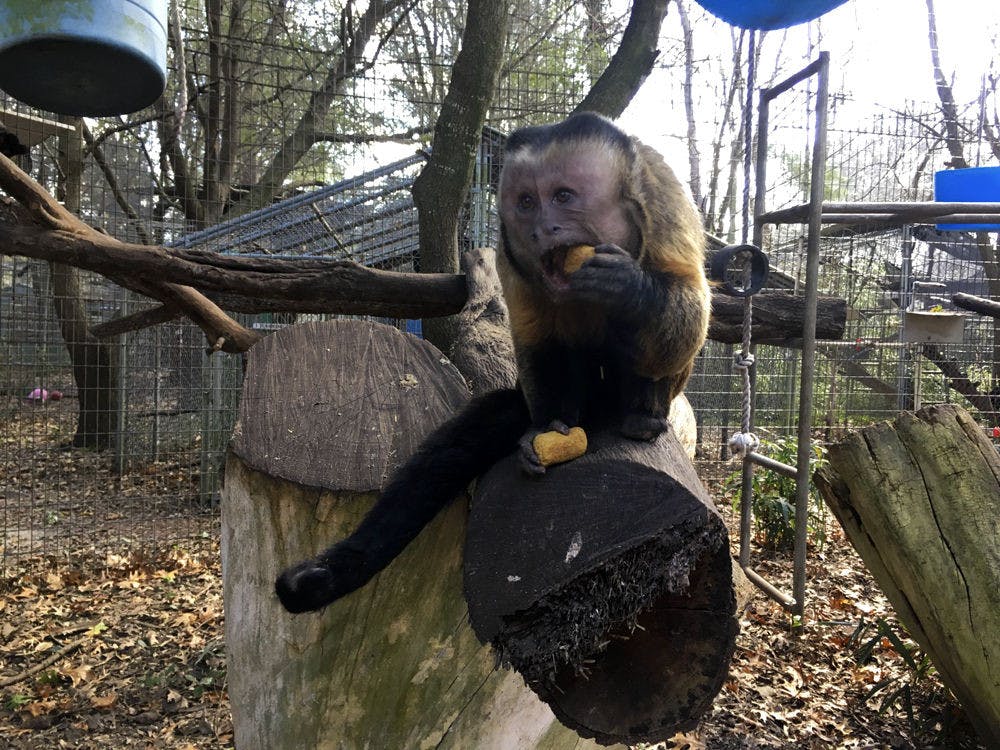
(648, 427)
(313, 584)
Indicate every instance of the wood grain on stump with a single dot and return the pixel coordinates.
(329, 410)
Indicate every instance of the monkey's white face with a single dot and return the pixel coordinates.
(570, 194)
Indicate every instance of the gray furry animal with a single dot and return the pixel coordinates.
(483, 350)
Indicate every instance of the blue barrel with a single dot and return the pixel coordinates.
(84, 57)
(971, 185)
(768, 14)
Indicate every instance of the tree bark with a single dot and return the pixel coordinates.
(777, 318)
(441, 188)
(92, 361)
(631, 63)
(394, 664)
(608, 585)
(919, 499)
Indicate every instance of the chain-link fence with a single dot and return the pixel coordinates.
(293, 129)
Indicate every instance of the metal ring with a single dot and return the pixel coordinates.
(721, 259)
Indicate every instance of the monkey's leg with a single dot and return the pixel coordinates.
(457, 452)
(645, 406)
(553, 381)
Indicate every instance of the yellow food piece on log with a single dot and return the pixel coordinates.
(555, 448)
(576, 256)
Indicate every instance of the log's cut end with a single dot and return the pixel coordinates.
(608, 585)
(340, 404)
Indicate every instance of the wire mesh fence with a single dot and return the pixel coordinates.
(290, 129)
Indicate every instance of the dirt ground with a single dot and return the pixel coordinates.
(125, 650)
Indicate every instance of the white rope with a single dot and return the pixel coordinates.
(745, 441)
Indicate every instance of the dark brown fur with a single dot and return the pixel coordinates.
(610, 344)
(639, 309)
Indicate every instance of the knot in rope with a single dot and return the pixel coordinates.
(743, 443)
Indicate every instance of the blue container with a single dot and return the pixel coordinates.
(972, 185)
(84, 57)
(768, 14)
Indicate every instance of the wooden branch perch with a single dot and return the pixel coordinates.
(976, 304)
(43, 216)
(200, 285)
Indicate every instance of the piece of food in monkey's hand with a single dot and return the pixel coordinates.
(576, 256)
(555, 448)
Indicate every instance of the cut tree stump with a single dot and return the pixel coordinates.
(919, 499)
(608, 584)
(328, 411)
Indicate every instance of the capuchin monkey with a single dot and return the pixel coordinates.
(603, 346)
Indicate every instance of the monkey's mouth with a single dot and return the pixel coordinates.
(554, 268)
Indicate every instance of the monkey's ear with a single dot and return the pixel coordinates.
(665, 215)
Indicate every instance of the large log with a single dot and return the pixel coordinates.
(777, 318)
(919, 499)
(328, 410)
(608, 584)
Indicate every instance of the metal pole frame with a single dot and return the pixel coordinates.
(795, 603)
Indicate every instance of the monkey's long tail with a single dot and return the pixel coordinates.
(454, 454)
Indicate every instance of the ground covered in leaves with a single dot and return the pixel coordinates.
(125, 649)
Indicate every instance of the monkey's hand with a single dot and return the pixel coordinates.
(530, 462)
(613, 279)
(313, 584)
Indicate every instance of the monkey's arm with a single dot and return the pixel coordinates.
(452, 456)
(665, 314)
(551, 378)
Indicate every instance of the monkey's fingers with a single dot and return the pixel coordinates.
(610, 249)
(530, 462)
(604, 282)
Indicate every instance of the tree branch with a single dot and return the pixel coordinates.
(442, 186)
(303, 136)
(38, 215)
(632, 62)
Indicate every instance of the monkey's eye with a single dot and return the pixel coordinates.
(563, 195)
(526, 202)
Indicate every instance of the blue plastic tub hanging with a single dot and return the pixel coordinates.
(768, 14)
(84, 57)
(971, 185)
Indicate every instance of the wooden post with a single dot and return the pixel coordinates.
(328, 411)
(919, 499)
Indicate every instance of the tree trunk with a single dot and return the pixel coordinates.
(395, 664)
(631, 63)
(920, 500)
(442, 187)
(93, 362)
